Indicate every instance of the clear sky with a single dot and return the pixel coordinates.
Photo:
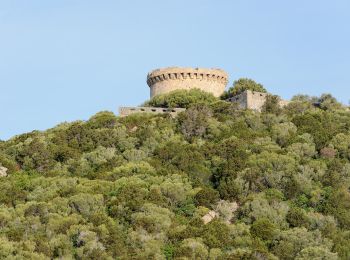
(68, 59)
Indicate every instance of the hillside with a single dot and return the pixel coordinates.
(276, 184)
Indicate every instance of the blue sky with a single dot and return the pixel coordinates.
(66, 60)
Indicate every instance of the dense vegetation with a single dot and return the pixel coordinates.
(137, 187)
(181, 98)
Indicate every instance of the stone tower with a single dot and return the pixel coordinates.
(165, 80)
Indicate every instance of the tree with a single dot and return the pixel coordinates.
(299, 104)
(260, 208)
(242, 85)
(272, 105)
(217, 235)
(181, 98)
(321, 125)
(283, 132)
(316, 253)
(152, 218)
(341, 142)
(328, 102)
(194, 122)
(193, 248)
(264, 229)
(293, 242)
(207, 197)
(104, 119)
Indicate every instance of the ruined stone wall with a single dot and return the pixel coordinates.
(246, 100)
(125, 111)
(165, 80)
(241, 99)
(253, 100)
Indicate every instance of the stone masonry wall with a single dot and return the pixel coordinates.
(253, 100)
(125, 111)
(165, 80)
(241, 99)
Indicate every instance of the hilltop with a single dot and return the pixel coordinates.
(214, 182)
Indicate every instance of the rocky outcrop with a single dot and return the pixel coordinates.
(3, 171)
(207, 218)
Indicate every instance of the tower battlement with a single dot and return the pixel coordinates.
(165, 80)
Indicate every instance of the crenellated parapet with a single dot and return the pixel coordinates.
(165, 80)
(176, 73)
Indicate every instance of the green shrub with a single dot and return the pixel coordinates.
(181, 98)
(242, 85)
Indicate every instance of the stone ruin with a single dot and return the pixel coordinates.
(253, 100)
(3, 171)
(125, 111)
(214, 81)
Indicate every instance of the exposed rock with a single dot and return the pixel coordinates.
(3, 171)
(209, 217)
(132, 130)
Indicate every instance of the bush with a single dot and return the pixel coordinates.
(181, 98)
(104, 119)
(272, 105)
(264, 229)
(242, 85)
(207, 197)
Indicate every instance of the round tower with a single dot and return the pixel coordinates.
(165, 80)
